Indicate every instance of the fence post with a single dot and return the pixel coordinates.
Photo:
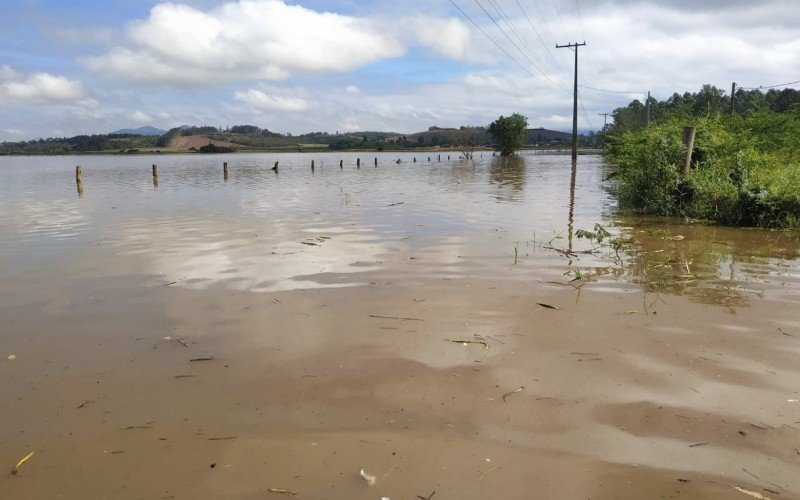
(688, 141)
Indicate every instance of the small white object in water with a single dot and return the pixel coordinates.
(369, 479)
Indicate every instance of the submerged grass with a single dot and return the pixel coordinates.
(745, 169)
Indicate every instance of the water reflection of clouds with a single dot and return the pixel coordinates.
(199, 254)
(58, 219)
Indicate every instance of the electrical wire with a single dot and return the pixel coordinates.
(769, 86)
(504, 51)
(549, 52)
(544, 73)
(545, 66)
(613, 91)
(585, 115)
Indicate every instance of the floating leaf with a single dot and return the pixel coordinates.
(547, 306)
(19, 464)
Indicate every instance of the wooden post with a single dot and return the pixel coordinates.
(448, 157)
(341, 164)
(155, 171)
(358, 162)
(688, 141)
(376, 161)
(225, 170)
(415, 159)
(312, 165)
(440, 158)
(79, 180)
(275, 168)
(429, 158)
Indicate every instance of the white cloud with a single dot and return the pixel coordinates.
(352, 90)
(249, 39)
(276, 100)
(141, 117)
(37, 88)
(13, 131)
(447, 37)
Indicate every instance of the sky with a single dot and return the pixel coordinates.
(71, 67)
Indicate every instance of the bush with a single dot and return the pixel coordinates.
(746, 169)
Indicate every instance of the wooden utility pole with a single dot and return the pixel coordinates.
(733, 98)
(647, 105)
(574, 99)
(605, 119)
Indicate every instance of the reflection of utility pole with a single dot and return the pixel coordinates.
(574, 99)
(571, 219)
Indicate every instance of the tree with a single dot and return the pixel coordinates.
(509, 132)
(467, 141)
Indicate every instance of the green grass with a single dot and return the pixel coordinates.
(745, 172)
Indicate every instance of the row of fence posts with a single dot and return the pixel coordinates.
(79, 170)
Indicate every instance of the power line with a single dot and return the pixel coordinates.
(769, 86)
(612, 91)
(560, 19)
(493, 40)
(544, 72)
(557, 65)
(543, 64)
(585, 115)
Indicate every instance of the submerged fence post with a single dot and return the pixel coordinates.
(376, 161)
(440, 158)
(155, 175)
(79, 180)
(225, 170)
(275, 168)
(341, 164)
(415, 159)
(312, 165)
(358, 162)
(688, 141)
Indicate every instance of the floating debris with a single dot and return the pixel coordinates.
(698, 444)
(753, 494)
(521, 388)
(427, 497)
(19, 464)
(370, 480)
(547, 306)
(281, 491)
(395, 317)
(11, 357)
(202, 359)
(467, 342)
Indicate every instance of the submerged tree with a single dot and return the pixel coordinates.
(509, 132)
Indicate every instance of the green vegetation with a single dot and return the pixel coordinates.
(509, 132)
(745, 167)
(211, 148)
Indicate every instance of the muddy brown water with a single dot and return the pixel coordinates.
(376, 318)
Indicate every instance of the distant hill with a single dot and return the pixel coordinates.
(140, 131)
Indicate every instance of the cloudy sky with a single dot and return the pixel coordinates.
(93, 66)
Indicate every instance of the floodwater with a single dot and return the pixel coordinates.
(388, 318)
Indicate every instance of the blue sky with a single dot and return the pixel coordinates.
(88, 66)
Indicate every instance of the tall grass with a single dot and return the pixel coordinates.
(745, 169)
